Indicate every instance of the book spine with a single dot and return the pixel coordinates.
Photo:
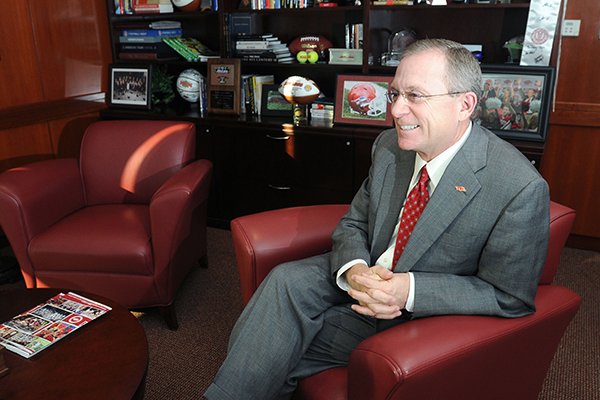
(152, 32)
(179, 48)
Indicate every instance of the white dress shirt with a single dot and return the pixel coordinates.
(435, 168)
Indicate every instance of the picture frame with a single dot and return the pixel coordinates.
(273, 104)
(224, 86)
(516, 100)
(361, 100)
(130, 86)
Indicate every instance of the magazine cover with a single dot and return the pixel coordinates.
(31, 332)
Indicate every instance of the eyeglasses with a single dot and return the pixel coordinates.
(412, 97)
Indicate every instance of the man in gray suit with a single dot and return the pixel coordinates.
(478, 247)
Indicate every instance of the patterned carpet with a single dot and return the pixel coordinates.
(183, 363)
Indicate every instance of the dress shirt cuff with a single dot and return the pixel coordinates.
(410, 301)
(341, 280)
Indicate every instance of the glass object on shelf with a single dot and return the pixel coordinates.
(397, 43)
(514, 47)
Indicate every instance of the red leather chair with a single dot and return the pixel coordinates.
(445, 357)
(126, 221)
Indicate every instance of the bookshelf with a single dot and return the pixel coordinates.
(262, 158)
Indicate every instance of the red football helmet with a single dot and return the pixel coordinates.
(360, 97)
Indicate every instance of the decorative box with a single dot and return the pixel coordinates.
(346, 56)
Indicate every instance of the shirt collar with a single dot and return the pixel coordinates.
(437, 166)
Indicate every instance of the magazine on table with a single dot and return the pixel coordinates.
(32, 331)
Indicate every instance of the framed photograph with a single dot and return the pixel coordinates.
(273, 104)
(360, 99)
(224, 85)
(130, 86)
(515, 103)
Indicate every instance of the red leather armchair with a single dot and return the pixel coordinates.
(126, 221)
(445, 357)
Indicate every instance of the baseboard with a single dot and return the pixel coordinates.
(584, 242)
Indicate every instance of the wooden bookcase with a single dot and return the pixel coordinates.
(263, 163)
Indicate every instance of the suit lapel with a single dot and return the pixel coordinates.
(393, 191)
(454, 191)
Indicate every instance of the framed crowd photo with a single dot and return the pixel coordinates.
(224, 85)
(515, 102)
(273, 104)
(360, 99)
(130, 86)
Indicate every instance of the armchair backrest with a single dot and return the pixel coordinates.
(561, 222)
(127, 161)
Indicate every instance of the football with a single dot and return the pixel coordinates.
(297, 89)
(188, 85)
(186, 5)
(317, 43)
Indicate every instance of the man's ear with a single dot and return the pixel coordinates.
(468, 104)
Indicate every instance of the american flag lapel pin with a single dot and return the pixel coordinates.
(460, 189)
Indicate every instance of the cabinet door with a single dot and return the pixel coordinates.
(266, 169)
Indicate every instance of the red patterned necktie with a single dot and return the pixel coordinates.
(415, 204)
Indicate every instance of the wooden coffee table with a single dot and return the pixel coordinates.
(106, 359)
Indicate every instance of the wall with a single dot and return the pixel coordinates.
(571, 162)
(54, 56)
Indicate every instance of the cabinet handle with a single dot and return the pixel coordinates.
(278, 137)
(279, 187)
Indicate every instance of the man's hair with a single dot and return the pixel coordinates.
(463, 73)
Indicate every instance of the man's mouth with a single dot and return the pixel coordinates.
(408, 127)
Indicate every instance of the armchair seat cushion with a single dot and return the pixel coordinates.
(112, 238)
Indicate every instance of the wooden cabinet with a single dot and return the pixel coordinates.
(269, 168)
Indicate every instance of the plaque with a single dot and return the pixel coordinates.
(224, 85)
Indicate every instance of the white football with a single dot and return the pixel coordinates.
(297, 89)
(188, 85)
(186, 5)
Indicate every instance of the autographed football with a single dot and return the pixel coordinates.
(297, 89)
(187, 5)
(317, 43)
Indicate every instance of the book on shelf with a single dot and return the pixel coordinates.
(391, 2)
(33, 331)
(170, 32)
(190, 48)
(146, 51)
(257, 83)
(152, 6)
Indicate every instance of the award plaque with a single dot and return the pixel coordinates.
(224, 85)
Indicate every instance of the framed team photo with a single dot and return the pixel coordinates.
(360, 99)
(130, 86)
(515, 102)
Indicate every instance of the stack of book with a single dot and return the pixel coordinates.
(354, 36)
(262, 48)
(322, 109)
(146, 43)
(190, 48)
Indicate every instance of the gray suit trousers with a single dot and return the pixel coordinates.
(298, 323)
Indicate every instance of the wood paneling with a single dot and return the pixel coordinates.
(73, 45)
(573, 172)
(20, 81)
(578, 80)
(23, 145)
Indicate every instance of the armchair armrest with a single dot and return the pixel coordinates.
(464, 357)
(34, 197)
(175, 210)
(264, 240)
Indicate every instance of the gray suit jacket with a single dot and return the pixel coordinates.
(477, 251)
